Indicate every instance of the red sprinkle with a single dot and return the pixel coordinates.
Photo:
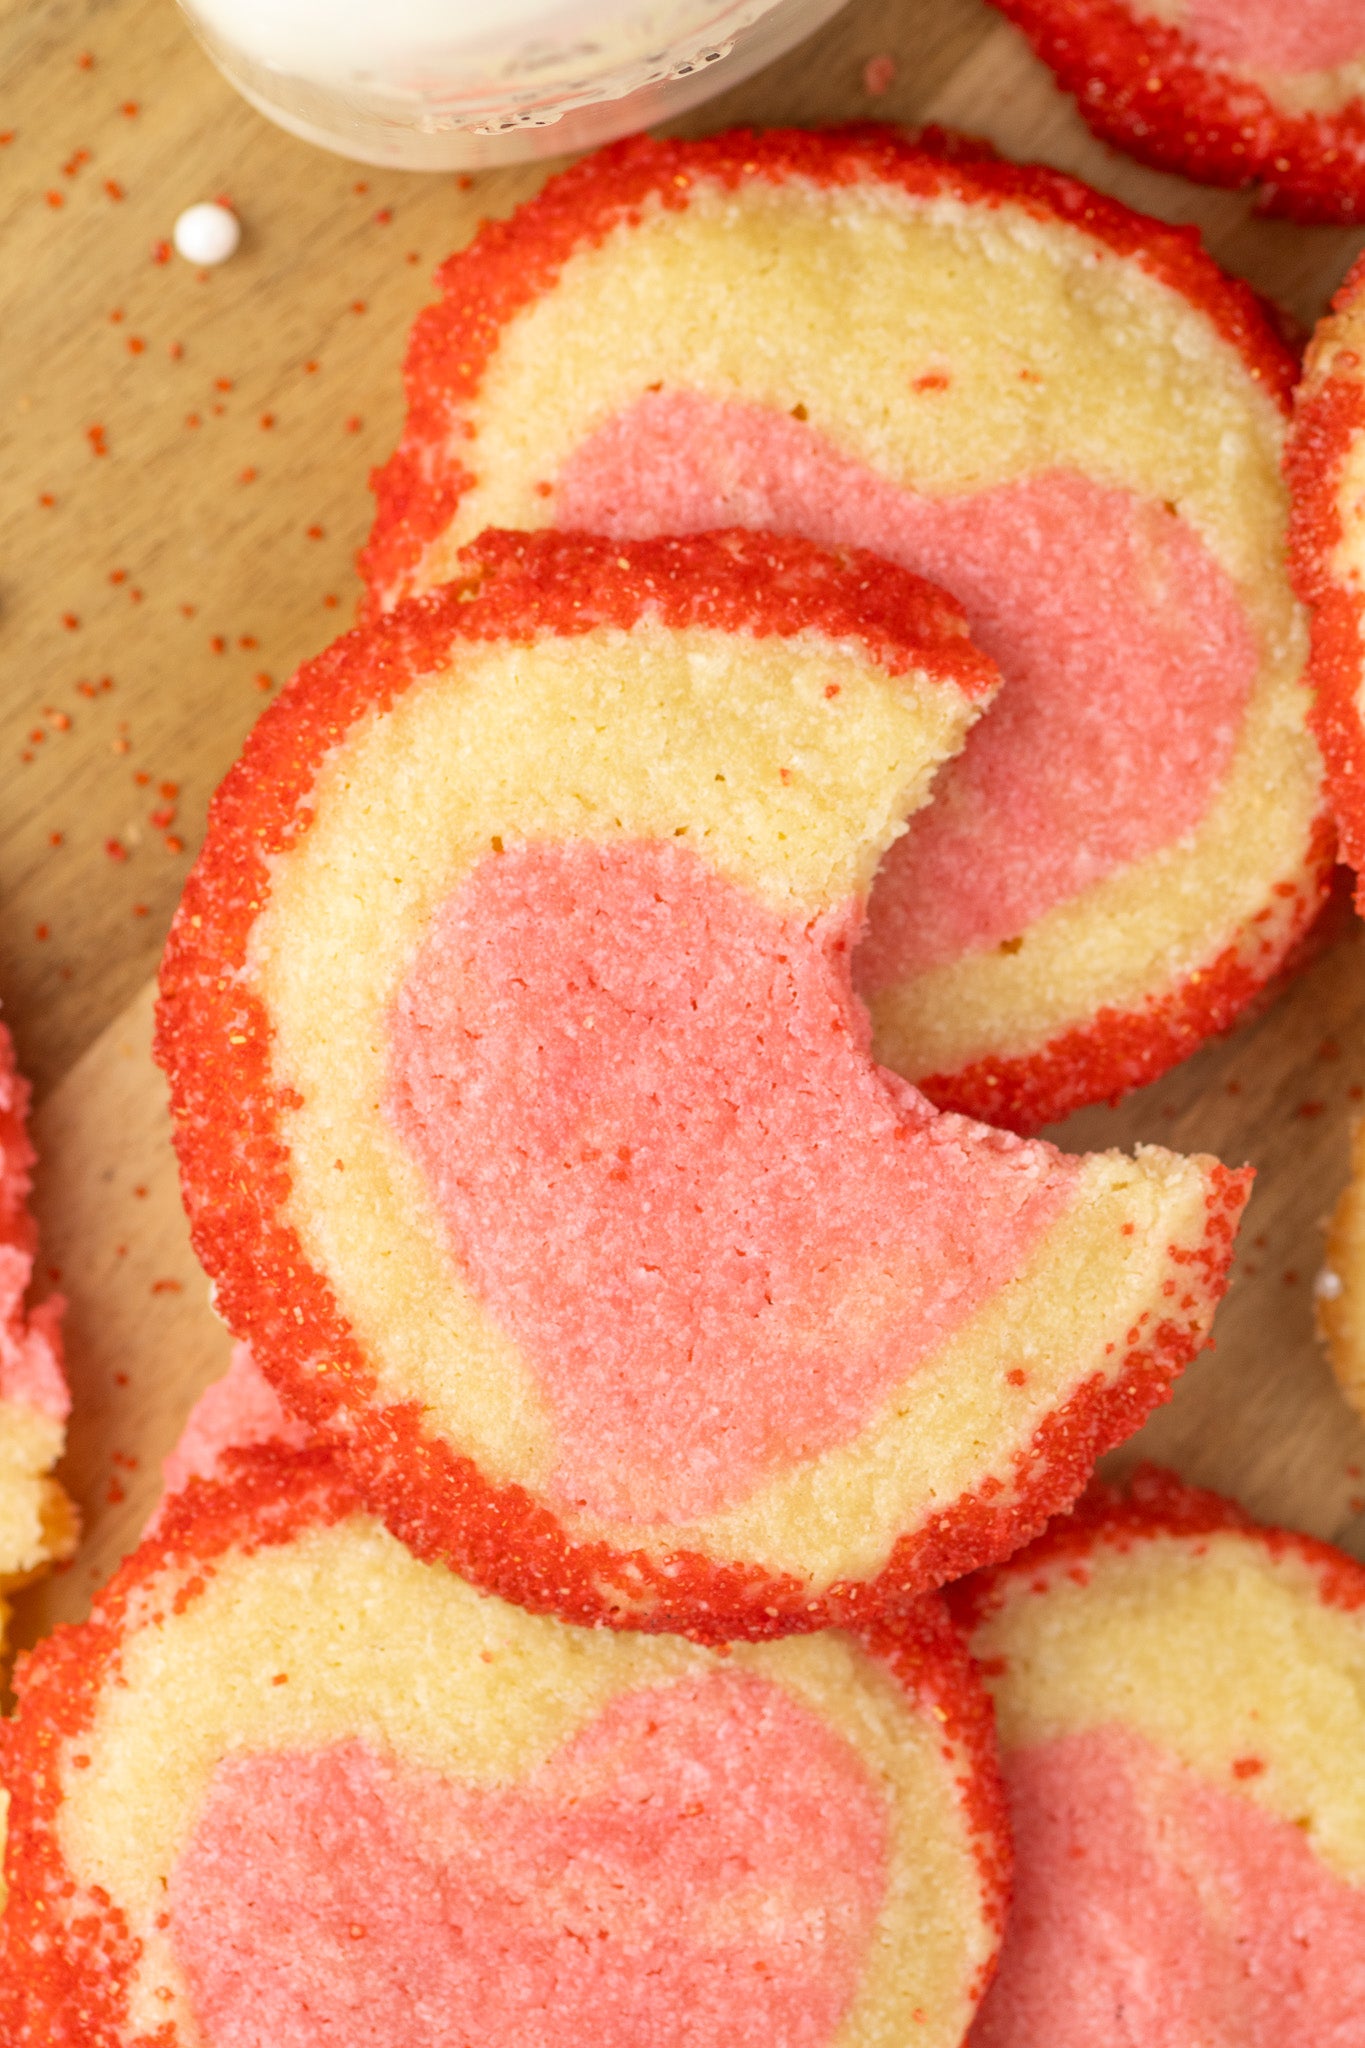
(879, 75)
(98, 440)
(113, 188)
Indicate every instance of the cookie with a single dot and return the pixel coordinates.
(37, 1521)
(1180, 1698)
(1324, 466)
(529, 1130)
(289, 1784)
(1059, 410)
(1247, 94)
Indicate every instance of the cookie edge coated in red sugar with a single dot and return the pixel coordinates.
(71, 1992)
(1329, 413)
(1145, 86)
(1115, 1051)
(1151, 1502)
(512, 262)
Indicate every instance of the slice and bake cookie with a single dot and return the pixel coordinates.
(290, 1785)
(1059, 410)
(37, 1521)
(1180, 1699)
(1247, 93)
(529, 1130)
(1326, 467)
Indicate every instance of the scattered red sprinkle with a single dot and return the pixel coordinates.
(75, 162)
(263, 681)
(831, 689)
(315, 532)
(354, 423)
(118, 575)
(40, 931)
(176, 351)
(121, 745)
(170, 790)
(192, 419)
(879, 75)
(161, 252)
(141, 910)
(310, 368)
(360, 187)
(331, 601)
(116, 316)
(113, 188)
(218, 643)
(1355, 1094)
(115, 1493)
(98, 440)
(173, 844)
(6, 137)
(222, 383)
(161, 818)
(85, 62)
(136, 345)
(932, 380)
(71, 622)
(55, 198)
(1291, 1278)
(134, 595)
(248, 475)
(55, 838)
(1308, 1110)
(167, 1287)
(46, 498)
(465, 182)
(1247, 1767)
(412, 256)
(267, 421)
(115, 850)
(60, 721)
(141, 777)
(357, 305)
(120, 1380)
(130, 109)
(384, 216)
(1330, 1049)
(217, 410)
(187, 611)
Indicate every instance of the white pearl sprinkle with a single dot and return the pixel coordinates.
(207, 233)
(1328, 1286)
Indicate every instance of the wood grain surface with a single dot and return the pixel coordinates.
(183, 461)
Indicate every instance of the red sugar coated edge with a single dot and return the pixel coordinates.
(1154, 1503)
(213, 1040)
(1117, 1050)
(1330, 412)
(513, 262)
(67, 1955)
(1146, 86)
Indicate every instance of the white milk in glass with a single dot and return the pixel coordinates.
(454, 84)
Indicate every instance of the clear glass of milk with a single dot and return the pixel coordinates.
(457, 84)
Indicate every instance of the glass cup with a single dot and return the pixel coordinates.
(438, 85)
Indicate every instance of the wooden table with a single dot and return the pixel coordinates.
(181, 493)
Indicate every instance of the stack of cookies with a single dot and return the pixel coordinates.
(831, 701)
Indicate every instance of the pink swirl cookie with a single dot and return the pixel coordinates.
(1060, 411)
(528, 1124)
(289, 1785)
(1326, 467)
(1180, 1698)
(1229, 92)
(37, 1521)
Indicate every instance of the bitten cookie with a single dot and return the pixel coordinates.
(528, 1126)
(1180, 1698)
(1247, 93)
(37, 1521)
(1326, 468)
(289, 1785)
(1059, 410)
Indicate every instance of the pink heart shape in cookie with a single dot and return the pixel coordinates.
(662, 1154)
(701, 1867)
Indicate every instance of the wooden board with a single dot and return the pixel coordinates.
(207, 549)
